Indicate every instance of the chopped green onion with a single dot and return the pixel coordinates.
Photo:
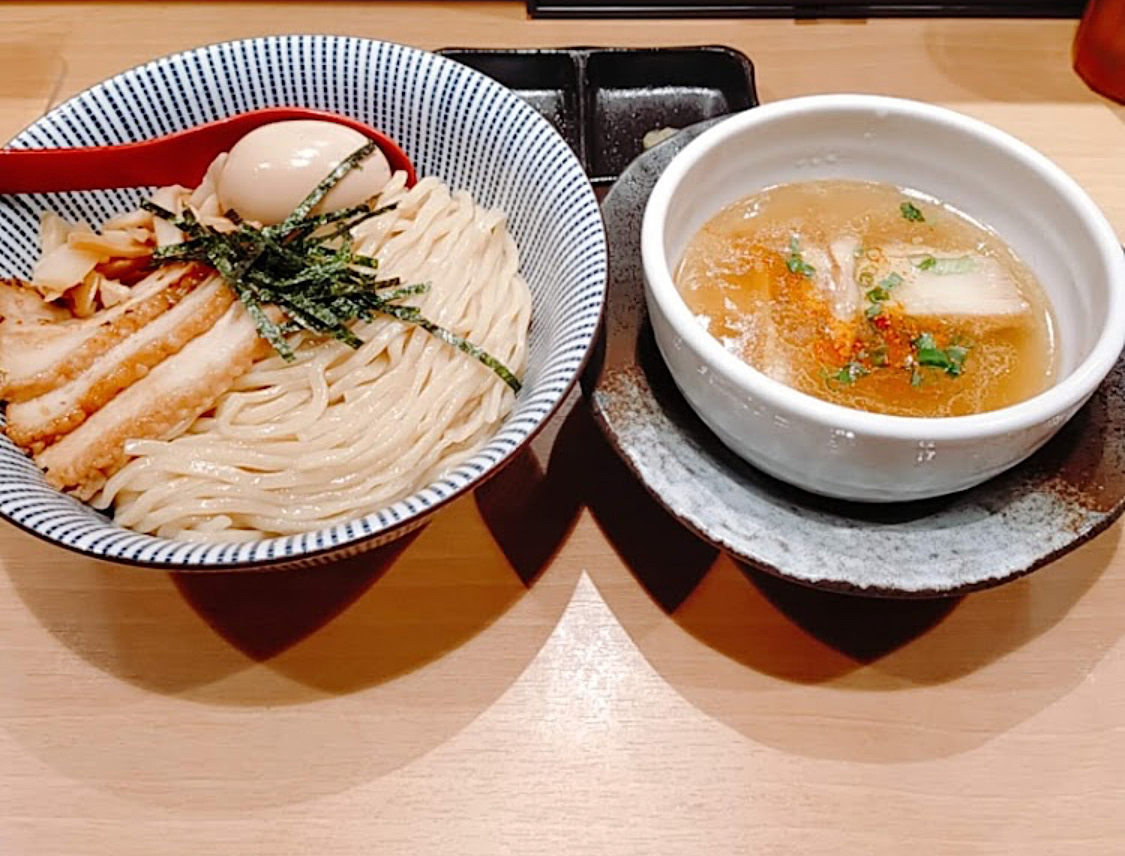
(795, 262)
(910, 212)
(946, 266)
(951, 359)
(956, 355)
(850, 373)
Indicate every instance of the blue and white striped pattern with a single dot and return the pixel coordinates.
(453, 122)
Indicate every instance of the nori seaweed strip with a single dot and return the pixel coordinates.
(317, 281)
(411, 315)
(305, 207)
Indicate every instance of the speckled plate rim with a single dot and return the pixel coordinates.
(634, 325)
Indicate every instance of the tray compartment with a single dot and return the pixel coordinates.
(632, 92)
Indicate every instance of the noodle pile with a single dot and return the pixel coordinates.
(339, 433)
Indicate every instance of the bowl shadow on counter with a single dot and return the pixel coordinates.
(321, 678)
(131, 623)
(526, 509)
(790, 650)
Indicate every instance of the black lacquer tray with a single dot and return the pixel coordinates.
(605, 100)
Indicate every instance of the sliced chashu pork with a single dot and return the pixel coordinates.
(37, 358)
(175, 391)
(954, 285)
(35, 422)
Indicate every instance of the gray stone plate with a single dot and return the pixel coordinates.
(1064, 495)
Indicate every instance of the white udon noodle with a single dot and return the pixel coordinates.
(339, 432)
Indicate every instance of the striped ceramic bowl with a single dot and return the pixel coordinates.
(454, 123)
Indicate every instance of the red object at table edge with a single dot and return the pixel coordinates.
(1099, 48)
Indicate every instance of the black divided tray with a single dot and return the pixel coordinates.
(604, 100)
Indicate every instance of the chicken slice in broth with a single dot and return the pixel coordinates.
(970, 285)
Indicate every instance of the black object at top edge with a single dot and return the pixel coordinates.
(815, 9)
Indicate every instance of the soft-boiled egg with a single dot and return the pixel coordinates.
(269, 171)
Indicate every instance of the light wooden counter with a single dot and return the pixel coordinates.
(526, 676)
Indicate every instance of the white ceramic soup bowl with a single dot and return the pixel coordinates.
(837, 451)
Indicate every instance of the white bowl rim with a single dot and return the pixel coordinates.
(1054, 401)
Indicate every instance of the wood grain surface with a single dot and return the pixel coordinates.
(553, 666)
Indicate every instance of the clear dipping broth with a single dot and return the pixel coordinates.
(873, 297)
